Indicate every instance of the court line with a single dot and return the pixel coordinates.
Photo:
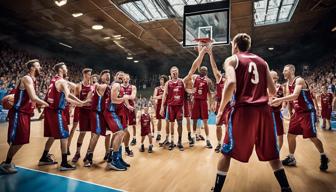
(89, 182)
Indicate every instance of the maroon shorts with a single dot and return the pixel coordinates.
(249, 126)
(326, 113)
(76, 115)
(200, 109)
(157, 112)
(98, 124)
(175, 112)
(277, 121)
(18, 127)
(224, 118)
(145, 131)
(131, 117)
(66, 112)
(84, 120)
(55, 124)
(303, 124)
(187, 105)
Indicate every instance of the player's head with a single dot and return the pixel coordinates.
(94, 78)
(174, 72)
(86, 72)
(324, 89)
(145, 108)
(61, 69)
(119, 76)
(203, 71)
(288, 71)
(163, 79)
(34, 66)
(126, 78)
(241, 43)
(105, 76)
(274, 76)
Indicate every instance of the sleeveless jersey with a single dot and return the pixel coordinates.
(175, 92)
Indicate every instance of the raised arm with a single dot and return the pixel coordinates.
(29, 86)
(196, 64)
(214, 68)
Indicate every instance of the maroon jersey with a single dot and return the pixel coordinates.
(85, 90)
(98, 101)
(279, 94)
(251, 74)
(219, 89)
(175, 92)
(55, 99)
(128, 91)
(158, 93)
(22, 102)
(326, 100)
(201, 88)
(304, 103)
(145, 121)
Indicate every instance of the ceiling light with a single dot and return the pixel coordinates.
(271, 48)
(129, 58)
(77, 14)
(97, 27)
(333, 29)
(60, 2)
(136, 61)
(116, 36)
(65, 45)
(106, 38)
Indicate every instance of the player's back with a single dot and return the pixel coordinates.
(251, 80)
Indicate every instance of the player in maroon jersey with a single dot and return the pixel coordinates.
(187, 107)
(158, 93)
(130, 90)
(220, 80)
(145, 122)
(276, 110)
(115, 115)
(174, 93)
(250, 120)
(19, 115)
(98, 124)
(326, 107)
(55, 126)
(303, 121)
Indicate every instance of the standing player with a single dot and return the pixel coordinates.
(326, 107)
(116, 119)
(55, 126)
(220, 80)
(303, 121)
(19, 115)
(174, 92)
(145, 122)
(131, 114)
(250, 120)
(158, 93)
(187, 107)
(84, 89)
(276, 110)
(98, 124)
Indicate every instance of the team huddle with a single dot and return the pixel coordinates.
(247, 103)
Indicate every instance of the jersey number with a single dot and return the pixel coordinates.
(253, 68)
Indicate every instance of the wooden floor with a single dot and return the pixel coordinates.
(192, 170)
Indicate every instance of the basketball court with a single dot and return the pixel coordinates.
(144, 39)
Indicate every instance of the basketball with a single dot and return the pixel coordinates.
(8, 101)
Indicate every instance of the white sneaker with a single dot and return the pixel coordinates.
(7, 168)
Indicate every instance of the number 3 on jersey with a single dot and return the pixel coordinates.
(253, 68)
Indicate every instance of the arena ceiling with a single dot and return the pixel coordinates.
(155, 40)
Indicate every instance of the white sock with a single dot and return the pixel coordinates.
(158, 133)
(207, 137)
(221, 173)
(172, 138)
(291, 155)
(323, 154)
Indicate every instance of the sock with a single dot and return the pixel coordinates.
(172, 138)
(220, 179)
(64, 158)
(207, 137)
(79, 145)
(291, 155)
(323, 154)
(44, 155)
(189, 134)
(281, 177)
(179, 139)
(126, 148)
(167, 137)
(158, 133)
(8, 160)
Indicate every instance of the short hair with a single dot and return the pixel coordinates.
(127, 74)
(243, 41)
(86, 70)
(104, 71)
(57, 66)
(173, 68)
(290, 66)
(164, 77)
(30, 63)
(119, 72)
(95, 75)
